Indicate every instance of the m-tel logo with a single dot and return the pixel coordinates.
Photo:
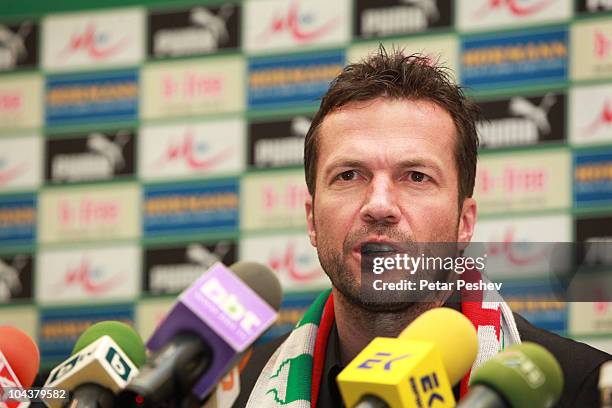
(88, 277)
(194, 153)
(517, 8)
(95, 42)
(284, 24)
(10, 171)
(92, 40)
(297, 264)
(519, 253)
(302, 26)
(20, 158)
(601, 119)
(230, 305)
(493, 14)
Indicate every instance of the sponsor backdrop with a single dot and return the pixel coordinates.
(137, 143)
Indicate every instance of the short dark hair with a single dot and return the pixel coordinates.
(398, 76)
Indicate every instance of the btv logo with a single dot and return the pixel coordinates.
(118, 364)
(90, 279)
(301, 26)
(519, 8)
(96, 44)
(12, 45)
(230, 305)
(197, 155)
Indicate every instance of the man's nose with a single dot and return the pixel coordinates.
(380, 203)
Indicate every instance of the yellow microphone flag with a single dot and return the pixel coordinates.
(403, 373)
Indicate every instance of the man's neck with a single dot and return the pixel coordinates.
(357, 327)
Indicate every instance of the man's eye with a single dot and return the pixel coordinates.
(418, 177)
(347, 175)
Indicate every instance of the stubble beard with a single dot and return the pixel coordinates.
(336, 267)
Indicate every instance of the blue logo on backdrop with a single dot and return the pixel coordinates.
(191, 208)
(18, 220)
(292, 80)
(60, 328)
(541, 303)
(489, 61)
(593, 178)
(100, 97)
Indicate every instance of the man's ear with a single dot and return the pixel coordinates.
(467, 220)
(309, 206)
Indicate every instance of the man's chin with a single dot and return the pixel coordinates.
(385, 307)
(375, 303)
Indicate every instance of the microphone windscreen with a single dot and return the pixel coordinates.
(124, 335)
(21, 353)
(526, 374)
(262, 280)
(447, 328)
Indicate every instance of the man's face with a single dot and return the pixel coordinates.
(386, 172)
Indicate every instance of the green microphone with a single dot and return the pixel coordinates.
(124, 335)
(104, 359)
(523, 375)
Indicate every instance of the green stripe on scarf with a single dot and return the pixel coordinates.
(297, 385)
(315, 311)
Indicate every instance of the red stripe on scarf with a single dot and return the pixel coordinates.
(474, 311)
(320, 348)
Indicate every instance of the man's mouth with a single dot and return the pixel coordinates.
(375, 248)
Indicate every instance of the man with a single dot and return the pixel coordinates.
(390, 158)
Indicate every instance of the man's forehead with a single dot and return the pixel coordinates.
(393, 123)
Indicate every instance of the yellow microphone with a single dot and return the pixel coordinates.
(416, 370)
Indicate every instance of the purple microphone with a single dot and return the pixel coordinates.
(214, 320)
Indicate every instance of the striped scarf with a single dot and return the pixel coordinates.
(292, 375)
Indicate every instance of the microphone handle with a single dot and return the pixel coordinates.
(371, 401)
(169, 374)
(481, 396)
(92, 395)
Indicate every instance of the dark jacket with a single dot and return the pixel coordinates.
(580, 364)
